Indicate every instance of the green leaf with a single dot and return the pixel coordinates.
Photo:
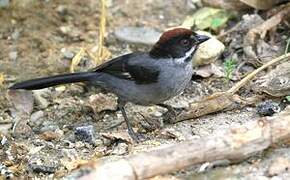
(205, 18)
(288, 98)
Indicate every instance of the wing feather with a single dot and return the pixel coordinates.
(131, 67)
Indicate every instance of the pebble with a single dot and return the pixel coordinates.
(209, 51)
(62, 10)
(40, 98)
(138, 35)
(268, 108)
(67, 53)
(35, 117)
(40, 167)
(85, 134)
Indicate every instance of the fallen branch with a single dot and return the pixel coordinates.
(234, 145)
(222, 100)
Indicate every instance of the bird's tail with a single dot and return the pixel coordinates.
(54, 80)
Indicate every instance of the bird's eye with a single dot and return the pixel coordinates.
(184, 42)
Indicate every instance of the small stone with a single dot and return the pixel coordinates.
(62, 10)
(139, 35)
(209, 51)
(40, 97)
(34, 118)
(67, 53)
(268, 108)
(101, 102)
(85, 134)
(65, 29)
(13, 55)
(49, 136)
(278, 166)
(39, 168)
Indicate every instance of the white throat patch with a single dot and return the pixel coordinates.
(187, 55)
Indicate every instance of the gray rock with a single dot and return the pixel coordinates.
(139, 35)
(268, 108)
(85, 134)
(42, 168)
(43, 164)
(4, 3)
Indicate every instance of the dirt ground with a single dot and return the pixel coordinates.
(37, 38)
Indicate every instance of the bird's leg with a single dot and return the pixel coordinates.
(135, 136)
(171, 113)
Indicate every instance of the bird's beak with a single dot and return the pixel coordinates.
(202, 38)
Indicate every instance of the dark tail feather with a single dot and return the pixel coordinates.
(53, 81)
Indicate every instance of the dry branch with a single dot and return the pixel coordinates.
(234, 144)
(222, 100)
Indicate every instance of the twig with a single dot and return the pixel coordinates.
(250, 76)
(234, 145)
(102, 31)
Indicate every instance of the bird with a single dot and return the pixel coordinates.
(142, 78)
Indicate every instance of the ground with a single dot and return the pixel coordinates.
(40, 37)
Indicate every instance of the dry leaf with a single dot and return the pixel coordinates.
(206, 17)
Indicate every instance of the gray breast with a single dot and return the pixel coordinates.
(172, 80)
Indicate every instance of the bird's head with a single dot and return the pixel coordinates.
(178, 43)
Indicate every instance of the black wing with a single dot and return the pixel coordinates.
(131, 67)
